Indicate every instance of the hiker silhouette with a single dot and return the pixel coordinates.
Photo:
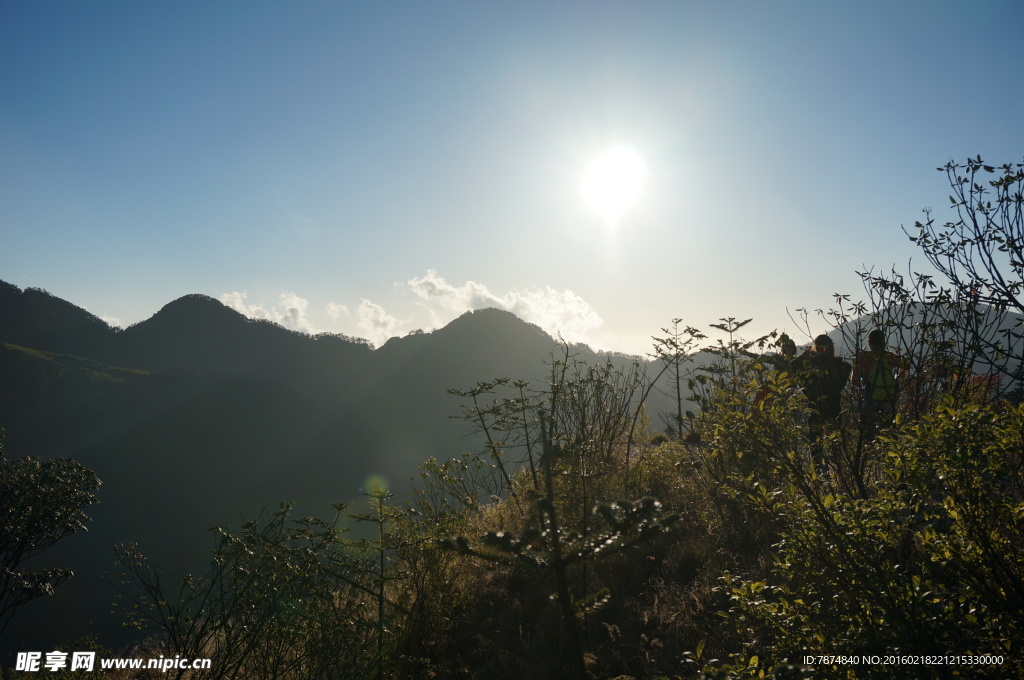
(876, 376)
(822, 375)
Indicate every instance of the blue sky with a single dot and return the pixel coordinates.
(376, 168)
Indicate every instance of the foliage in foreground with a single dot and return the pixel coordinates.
(930, 562)
(281, 599)
(41, 502)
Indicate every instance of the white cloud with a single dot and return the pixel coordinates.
(561, 313)
(112, 321)
(445, 301)
(375, 324)
(295, 313)
(236, 301)
(557, 312)
(336, 311)
(290, 311)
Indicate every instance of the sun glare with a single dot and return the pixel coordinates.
(612, 183)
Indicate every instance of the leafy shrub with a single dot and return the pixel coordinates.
(41, 503)
(931, 563)
(283, 599)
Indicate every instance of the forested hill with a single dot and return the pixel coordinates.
(199, 417)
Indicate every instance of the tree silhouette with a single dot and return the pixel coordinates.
(40, 503)
(982, 251)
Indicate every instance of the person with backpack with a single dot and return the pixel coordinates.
(822, 375)
(875, 375)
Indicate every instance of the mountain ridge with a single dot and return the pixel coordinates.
(169, 339)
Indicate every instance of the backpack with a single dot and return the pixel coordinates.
(881, 383)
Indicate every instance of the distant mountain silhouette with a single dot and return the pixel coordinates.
(198, 333)
(199, 417)
(34, 318)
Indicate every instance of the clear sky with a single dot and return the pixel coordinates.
(374, 168)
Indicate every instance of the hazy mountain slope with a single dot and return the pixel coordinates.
(406, 396)
(177, 454)
(193, 333)
(198, 333)
(34, 318)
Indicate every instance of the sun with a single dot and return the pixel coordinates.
(612, 183)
